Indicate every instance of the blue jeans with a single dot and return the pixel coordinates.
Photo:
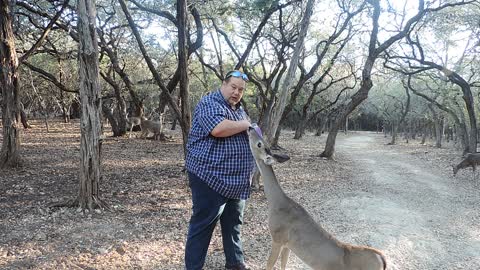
(208, 208)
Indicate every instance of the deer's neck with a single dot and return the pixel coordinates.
(273, 191)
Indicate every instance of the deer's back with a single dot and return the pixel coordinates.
(292, 226)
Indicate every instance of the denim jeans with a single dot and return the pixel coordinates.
(208, 208)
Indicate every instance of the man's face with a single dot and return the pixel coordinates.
(232, 90)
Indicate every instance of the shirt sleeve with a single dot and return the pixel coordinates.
(210, 115)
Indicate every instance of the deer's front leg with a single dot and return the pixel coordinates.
(284, 257)
(276, 248)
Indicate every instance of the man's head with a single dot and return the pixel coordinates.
(233, 86)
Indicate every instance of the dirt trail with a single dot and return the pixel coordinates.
(420, 216)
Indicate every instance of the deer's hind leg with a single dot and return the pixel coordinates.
(284, 257)
(130, 134)
(276, 248)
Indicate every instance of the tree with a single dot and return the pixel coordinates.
(273, 121)
(182, 114)
(417, 62)
(9, 82)
(182, 67)
(375, 49)
(91, 101)
(459, 121)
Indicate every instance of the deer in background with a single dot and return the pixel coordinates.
(471, 160)
(150, 126)
(146, 126)
(292, 228)
(131, 122)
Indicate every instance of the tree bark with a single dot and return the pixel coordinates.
(300, 128)
(437, 126)
(23, 116)
(90, 124)
(183, 65)
(9, 82)
(321, 125)
(394, 133)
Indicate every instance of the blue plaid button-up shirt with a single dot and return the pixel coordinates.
(225, 164)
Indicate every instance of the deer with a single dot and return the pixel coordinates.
(293, 229)
(131, 122)
(471, 160)
(150, 126)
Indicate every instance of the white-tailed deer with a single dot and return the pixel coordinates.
(292, 228)
(471, 160)
(131, 122)
(149, 126)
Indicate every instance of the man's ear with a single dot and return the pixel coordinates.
(280, 158)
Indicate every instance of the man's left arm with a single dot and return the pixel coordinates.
(227, 128)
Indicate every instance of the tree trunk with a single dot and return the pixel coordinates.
(438, 135)
(437, 126)
(406, 132)
(345, 130)
(183, 65)
(273, 121)
(23, 116)
(459, 118)
(394, 133)
(65, 114)
(90, 124)
(330, 143)
(9, 82)
(276, 138)
(300, 129)
(424, 135)
(321, 125)
(117, 114)
(114, 121)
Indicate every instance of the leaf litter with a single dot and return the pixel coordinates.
(145, 186)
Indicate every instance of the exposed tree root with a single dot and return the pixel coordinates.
(7, 161)
(95, 203)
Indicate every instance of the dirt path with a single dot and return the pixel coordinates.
(420, 216)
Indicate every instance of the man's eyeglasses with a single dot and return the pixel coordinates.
(236, 74)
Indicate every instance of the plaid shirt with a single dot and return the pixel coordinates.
(225, 164)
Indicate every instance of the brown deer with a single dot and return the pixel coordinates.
(150, 126)
(131, 122)
(292, 228)
(471, 160)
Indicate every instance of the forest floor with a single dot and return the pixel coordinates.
(401, 199)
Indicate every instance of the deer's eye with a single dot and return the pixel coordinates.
(259, 145)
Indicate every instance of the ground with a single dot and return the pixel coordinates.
(401, 199)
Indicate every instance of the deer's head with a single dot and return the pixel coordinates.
(260, 149)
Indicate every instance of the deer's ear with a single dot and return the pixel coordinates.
(269, 160)
(280, 158)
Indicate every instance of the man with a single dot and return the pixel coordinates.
(219, 165)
